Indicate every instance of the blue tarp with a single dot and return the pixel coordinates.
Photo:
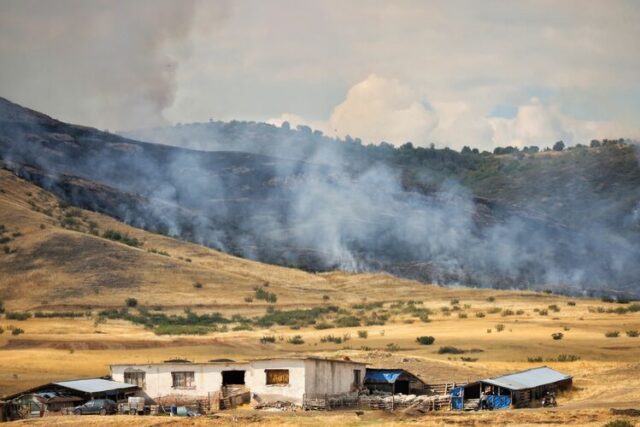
(387, 376)
(457, 401)
(499, 402)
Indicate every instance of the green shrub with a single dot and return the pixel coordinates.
(455, 301)
(131, 302)
(568, 358)
(248, 299)
(571, 303)
(494, 310)
(323, 325)
(294, 317)
(17, 331)
(197, 285)
(507, 312)
(634, 308)
(18, 315)
(480, 314)
(557, 336)
(619, 423)
(491, 299)
(534, 359)
(167, 329)
(519, 312)
(331, 338)
(543, 312)
(462, 315)
(363, 334)
(425, 340)
(269, 297)
(348, 322)
(296, 340)
(122, 238)
(554, 308)
(268, 339)
(450, 350)
(633, 333)
(325, 298)
(499, 327)
(469, 359)
(612, 334)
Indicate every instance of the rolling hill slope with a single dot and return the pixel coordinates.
(533, 222)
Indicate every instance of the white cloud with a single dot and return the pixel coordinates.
(379, 109)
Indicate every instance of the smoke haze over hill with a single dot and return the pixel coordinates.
(340, 206)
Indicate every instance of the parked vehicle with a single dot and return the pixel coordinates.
(549, 400)
(96, 406)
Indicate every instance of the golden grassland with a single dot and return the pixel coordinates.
(52, 268)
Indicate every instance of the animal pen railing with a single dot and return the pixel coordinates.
(385, 402)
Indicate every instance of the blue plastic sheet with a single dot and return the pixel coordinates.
(499, 402)
(389, 376)
(457, 401)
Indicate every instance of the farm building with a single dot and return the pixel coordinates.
(264, 380)
(520, 389)
(393, 381)
(55, 398)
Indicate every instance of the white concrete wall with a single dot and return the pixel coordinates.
(327, 377)
(256, 380)
(159, 382)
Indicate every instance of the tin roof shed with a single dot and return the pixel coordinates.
(530, 378)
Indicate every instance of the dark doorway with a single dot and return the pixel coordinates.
(402, 386)
(232, 377)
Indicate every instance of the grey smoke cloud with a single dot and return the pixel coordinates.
(110, 64)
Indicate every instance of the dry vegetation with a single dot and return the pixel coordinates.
(58, 261)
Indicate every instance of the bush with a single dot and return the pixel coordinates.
(612, 334)
(480, 314)
(507, 312)
(325, 297)
(331, 338)
(168, 329)
(17, 331)
(197, 285)
(248, 299)
(491, 299)
(18, 315)
(348, 322)
(634, 308)
(450, 350)
(425, 340)
(494, 310)
(323, 325)
(535, 359)
(619, 423)
(557, 336)
(296, 340)
(455, 301)
(269, 297)
(267, 339)
(363, 334)
(131, 302)
(568, 358)
(633, 333)
(519, 312)
(543, 312)
(499, 327)
(462, 315)
(122, 238)
(554, 308)
(571, 303)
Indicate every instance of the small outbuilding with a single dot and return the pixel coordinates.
(520, 389)
(394, 381)
(57, 397)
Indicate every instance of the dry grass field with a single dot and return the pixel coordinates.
(56, 260)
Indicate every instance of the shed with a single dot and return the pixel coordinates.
(57, 396)
(393, 381)
(519, 389)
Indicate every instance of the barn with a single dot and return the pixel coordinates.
(288, 379)
(394, 381)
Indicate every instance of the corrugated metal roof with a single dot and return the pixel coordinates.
(530, 378)
(383, 375)
(94, 385)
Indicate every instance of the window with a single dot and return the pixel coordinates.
(183, 379)
(356, 377)
(136, 378)
(277, 376)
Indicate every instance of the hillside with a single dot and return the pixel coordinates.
(529, 221)
(64, 270)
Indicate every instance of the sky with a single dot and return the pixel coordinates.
(452, 73)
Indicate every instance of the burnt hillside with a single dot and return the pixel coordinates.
(434, 215)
